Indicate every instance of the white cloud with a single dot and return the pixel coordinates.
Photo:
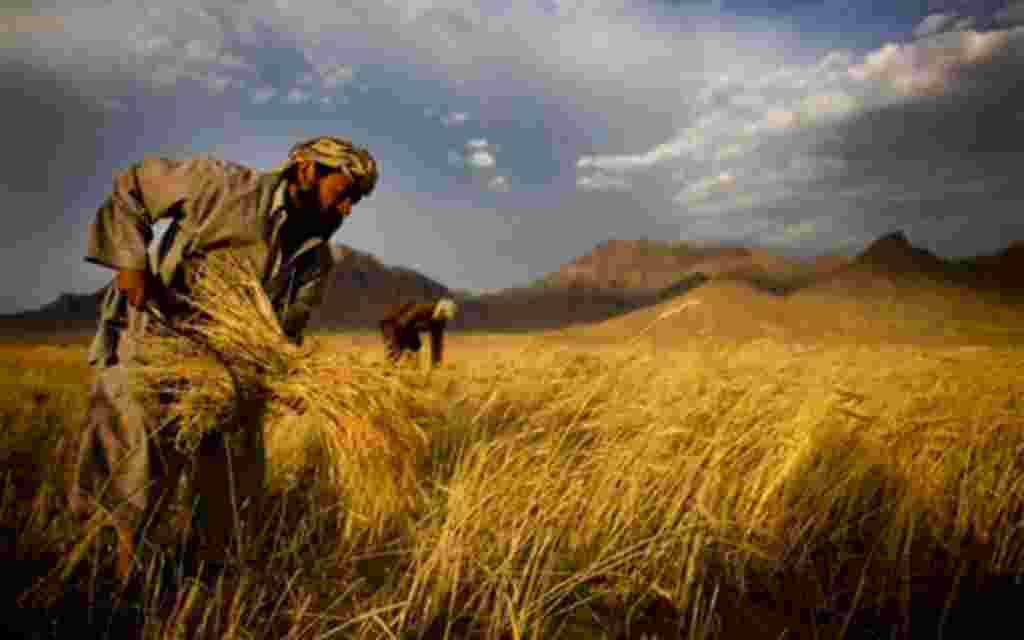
(981, 47)
(862, 192)
(143, 41)
(480, 159)
(498, 183)
(603, 182)
(736, 111)
(232, 60)
(799, 230)
(930, 67)
(701, 190)
(729, 92)
(733, 111)
(834, 60)
(297, 96)
(828, 105)
(262, 95)
(217, 83)
(749, 100)
(782, 119)
(731, 151)
(454, 119)
(478, 154)
(964, 23)
(31, 24)
(795, 234)
(934, 23)
(333, 74)
(201, 51)
(166, 76)
(597, 41)
(113, 104)
(736, 200)
(660, 154)
(214, 82)
(148, 46)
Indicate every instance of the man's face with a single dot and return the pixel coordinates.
(335, 197)
(326, 195)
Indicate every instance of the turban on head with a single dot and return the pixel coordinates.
(338, 153)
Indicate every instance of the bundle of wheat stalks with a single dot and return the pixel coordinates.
(229, 366)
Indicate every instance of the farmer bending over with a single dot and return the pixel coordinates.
(280, 222)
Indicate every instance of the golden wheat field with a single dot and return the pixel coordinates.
(565, 485)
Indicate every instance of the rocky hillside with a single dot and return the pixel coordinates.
(545, 308)
(893, 254)
(363, 287)
(618, 277)
(1003, 270)
(645, 265)
(892, 261)
(360, 290)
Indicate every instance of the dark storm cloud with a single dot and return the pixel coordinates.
(62, 147)
(52, 136)
(978, 122)
(1011, 16)
(52, 127)
(920, 163)
(944, 15)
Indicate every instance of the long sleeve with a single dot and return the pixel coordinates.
(218, 204)
(123, 227)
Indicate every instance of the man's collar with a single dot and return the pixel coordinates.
(278, 207)
(280, 198)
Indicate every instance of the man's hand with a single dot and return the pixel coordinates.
(139, 286)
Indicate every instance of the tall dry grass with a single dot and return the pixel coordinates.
(329, 416)
(715, 489)
(732, 467)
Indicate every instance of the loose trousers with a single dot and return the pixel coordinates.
(127, 462)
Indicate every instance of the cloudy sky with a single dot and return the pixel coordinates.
(512, 140)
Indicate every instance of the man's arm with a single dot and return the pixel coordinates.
(308, 297)
(120, 234)
(437, 341)
(123, 227)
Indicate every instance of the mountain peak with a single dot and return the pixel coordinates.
(892, 240)
(893, 252)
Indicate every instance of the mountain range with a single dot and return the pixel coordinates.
(617, 277)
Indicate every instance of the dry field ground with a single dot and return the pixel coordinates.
(610, 482)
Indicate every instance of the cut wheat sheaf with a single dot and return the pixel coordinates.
(346, 420)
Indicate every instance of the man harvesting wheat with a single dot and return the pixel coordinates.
(279, 222)
(402, 325)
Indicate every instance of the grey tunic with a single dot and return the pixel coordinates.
(212, 206)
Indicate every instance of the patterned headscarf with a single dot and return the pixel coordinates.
(338, 153)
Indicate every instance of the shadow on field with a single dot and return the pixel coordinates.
(949, 593)
(173, 595)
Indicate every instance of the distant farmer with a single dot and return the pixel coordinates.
(278, 221)
(403, 324)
